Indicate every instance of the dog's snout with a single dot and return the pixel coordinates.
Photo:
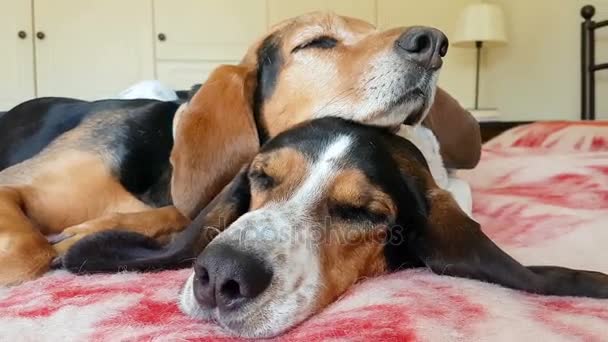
(424, 45)
(227, 278)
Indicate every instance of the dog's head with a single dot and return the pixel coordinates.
(320, 207)
(322, 64)
(313, 66)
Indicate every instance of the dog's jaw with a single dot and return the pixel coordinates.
(391, 92)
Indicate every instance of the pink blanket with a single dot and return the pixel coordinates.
(541, 192)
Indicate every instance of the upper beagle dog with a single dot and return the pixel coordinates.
(72, 168)
(321, 206)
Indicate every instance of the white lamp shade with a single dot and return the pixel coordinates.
(481, 22)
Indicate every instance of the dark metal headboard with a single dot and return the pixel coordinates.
(588, 65)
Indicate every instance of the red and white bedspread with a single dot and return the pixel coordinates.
(541, 192)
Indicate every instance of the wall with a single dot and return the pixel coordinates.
(536, 76)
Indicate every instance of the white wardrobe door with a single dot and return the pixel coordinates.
(211, 30)
(92, 49)
(17, 56)
(181, 75)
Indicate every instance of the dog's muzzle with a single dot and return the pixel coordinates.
(258, 277)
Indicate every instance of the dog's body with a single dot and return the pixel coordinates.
(116, 160)
(107, 167)
(322, 206)
(33, 125)
(131, 138)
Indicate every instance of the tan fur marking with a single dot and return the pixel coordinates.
(353, 188)
(352, 250)
(24, 252)
(286, 166)
(74, 188)
(349, 254)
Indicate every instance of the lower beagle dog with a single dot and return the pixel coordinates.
(321, 206)
(72, 168)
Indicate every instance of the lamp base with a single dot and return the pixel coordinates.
(478, 46)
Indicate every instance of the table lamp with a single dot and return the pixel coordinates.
(480, 25)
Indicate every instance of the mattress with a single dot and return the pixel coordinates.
(540, 192)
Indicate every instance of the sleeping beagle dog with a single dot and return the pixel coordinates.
(321, 206)
(73, 168)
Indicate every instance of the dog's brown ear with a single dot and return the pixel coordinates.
(215, 135)
(453, 244)
(457, 131)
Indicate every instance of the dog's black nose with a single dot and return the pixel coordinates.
(227, 278)
(424, 45)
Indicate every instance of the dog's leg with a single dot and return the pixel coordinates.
(122, 250)
(453, 244)
(154, 223)
(24, 251)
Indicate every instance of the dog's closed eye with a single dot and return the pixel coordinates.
(352, 213)
(261, 179)
(322, 42)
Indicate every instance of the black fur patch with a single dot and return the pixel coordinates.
(138, 134)
(104, 252)
(31, 126)
(144, 148)
(270, 61)
(186, 95)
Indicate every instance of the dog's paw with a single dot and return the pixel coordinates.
(71, 235)
(66, 243)
(56, 238)
(56, 263)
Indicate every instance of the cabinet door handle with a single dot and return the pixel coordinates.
(22, 34)
(40, 35)
(162, 37)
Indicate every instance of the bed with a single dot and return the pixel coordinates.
(540, 192)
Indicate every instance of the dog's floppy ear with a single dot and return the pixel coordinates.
(215, 135)
(457, 131)
(436, 233)
(113, 251)
(453, 244)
